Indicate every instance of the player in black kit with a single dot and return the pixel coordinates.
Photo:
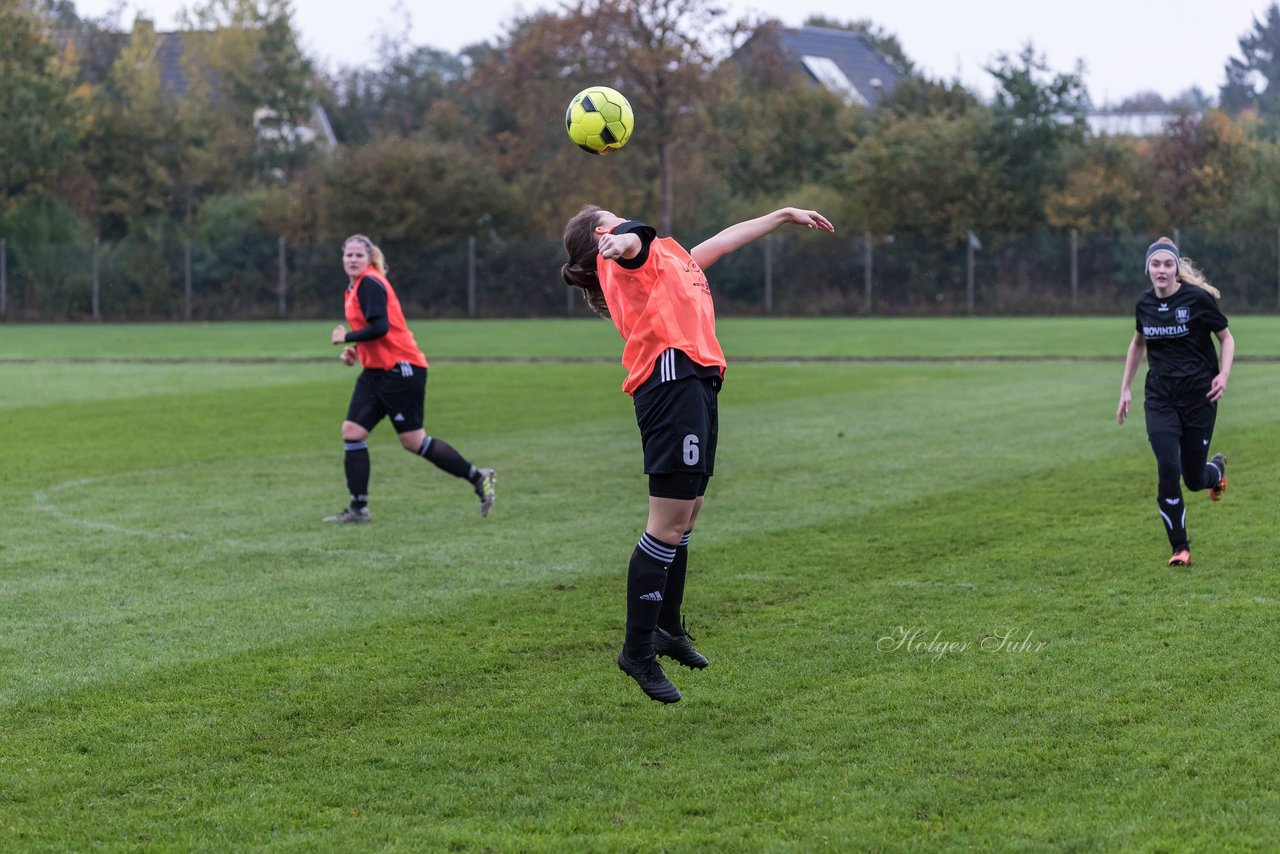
(1176, 320)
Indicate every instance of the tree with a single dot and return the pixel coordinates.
(38, 134)
(1256, 200)
(137, 145)
(90, 44)
(1192, 100)
(414, 190)
(663, 48)
(1146, 101)
(1107, 189)
(393, 96)
(916, 94)
(252, 85)
(1038, 119)
(228, 122)
(769, 128)
(658, 53)
(1253, 78)
(1198, 167)
(512, 112)
(923, 174)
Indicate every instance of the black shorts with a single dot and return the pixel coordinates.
(679, 426)
(1181, 411)
(397, 394)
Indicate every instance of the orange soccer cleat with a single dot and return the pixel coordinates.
(1220, 488)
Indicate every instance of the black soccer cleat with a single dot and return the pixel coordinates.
(350, 516)
(678, 648)
(649, 676)
(486, 486)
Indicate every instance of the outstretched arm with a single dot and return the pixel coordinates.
(735, 237)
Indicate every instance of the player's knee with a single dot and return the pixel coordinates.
(415, 442)
(668, 534)
(1169, 472)
(352, 432)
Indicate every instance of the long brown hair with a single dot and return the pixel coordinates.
(1187, 271)
(581, 244)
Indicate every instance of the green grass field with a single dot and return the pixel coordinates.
(932, 589)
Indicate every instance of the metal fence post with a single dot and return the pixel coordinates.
(186, 280)
(282, 270)
(866, 272)
(4, 279)
(969, 273)
(768, 274)
(97, 284)
(471, 275)
(1075, 267)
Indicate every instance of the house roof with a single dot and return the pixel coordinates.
(167, 56)
(96, 52)
(168, 59)
(843, 61)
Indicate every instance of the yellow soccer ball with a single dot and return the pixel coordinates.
(599, 120)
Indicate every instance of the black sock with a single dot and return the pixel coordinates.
(1173, 510)
(355, 462)
(673, 595)
(646, 579)
(1212, 475)
(442, 454)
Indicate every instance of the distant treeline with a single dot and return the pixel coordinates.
(205, 191)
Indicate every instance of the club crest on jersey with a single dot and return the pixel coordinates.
(1182, 315)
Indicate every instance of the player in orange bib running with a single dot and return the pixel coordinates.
(658, 297)
(392, 385)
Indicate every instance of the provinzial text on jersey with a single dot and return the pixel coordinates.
(1164, 331)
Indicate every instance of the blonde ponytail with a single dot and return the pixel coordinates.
(1190, 273)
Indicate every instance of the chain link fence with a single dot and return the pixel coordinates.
(786, 273)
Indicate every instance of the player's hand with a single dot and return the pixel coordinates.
(348, 356)
(1122, 411)
(1217, 388)
(810, 219)
(618, 245)
(339, 334)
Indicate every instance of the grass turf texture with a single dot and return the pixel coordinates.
(190, 659)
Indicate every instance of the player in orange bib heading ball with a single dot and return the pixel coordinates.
(658, 297)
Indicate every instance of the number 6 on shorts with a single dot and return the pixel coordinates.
(691, 450)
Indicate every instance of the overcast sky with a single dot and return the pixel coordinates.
(1126, 46)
